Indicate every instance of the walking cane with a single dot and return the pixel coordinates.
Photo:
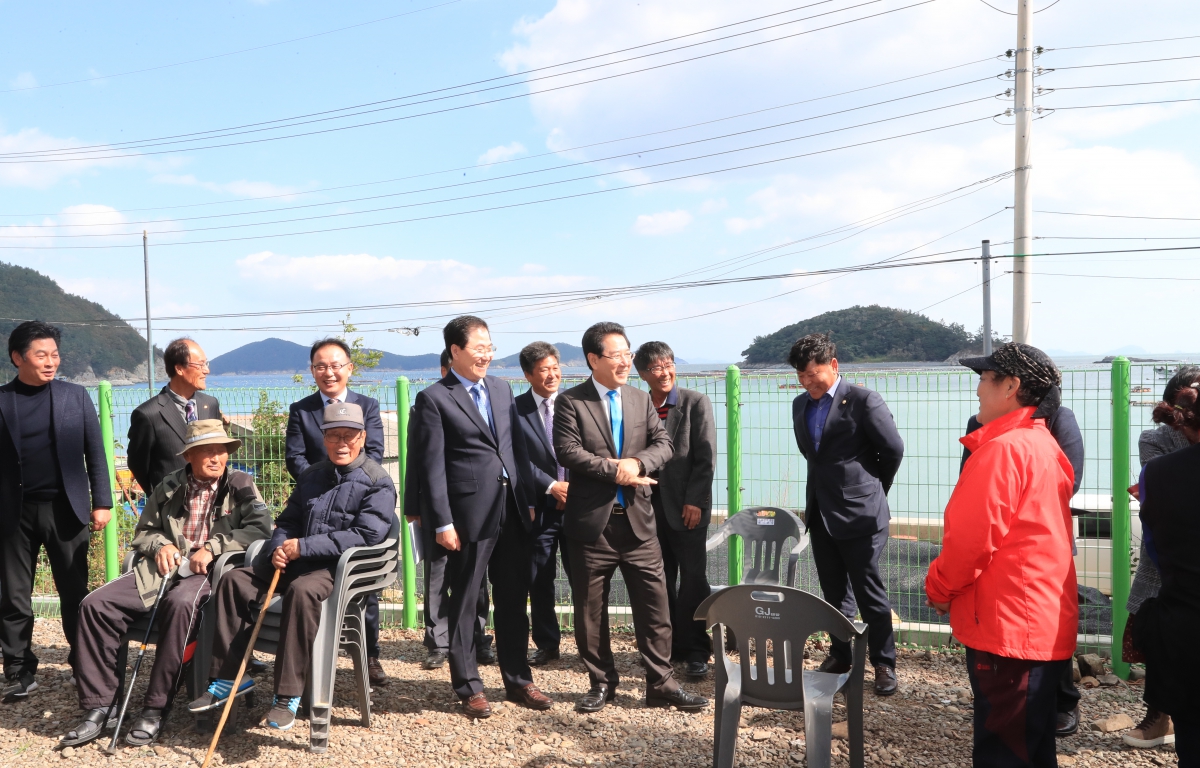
(137, 663)
(237, 679)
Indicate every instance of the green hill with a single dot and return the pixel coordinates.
(871, 334)
(113, 350)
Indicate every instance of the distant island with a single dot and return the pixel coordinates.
(96, 344)
(279, 356)
(871, 334)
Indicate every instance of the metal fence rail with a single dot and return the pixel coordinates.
(759, 453)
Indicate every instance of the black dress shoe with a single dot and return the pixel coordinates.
(1067, 723)
(680, 699)
(539, 657)
(696, 669)
(256, 667)
(486, 655)
(885, 680)
(595, 699)
(833, 666)
(435, 660)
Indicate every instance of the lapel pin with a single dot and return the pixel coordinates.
(843, 402)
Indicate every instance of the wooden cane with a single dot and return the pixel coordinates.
(237, 680)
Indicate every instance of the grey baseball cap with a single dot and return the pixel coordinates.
(343, 415)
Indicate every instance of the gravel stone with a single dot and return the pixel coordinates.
(416, 722)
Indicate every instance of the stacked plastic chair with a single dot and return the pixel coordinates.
(764, 531)
(359, 571)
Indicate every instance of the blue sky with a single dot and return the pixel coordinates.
(152, 70)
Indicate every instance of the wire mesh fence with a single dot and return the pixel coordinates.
(931, 408)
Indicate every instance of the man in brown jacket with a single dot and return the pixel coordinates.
(196, 514)
(610, 438)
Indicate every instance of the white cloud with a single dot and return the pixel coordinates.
(82, 219)
(501, 153)
(239, 188)
(23, 81)
(662, 223)
(43, 175)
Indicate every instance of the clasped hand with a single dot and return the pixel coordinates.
(629, 472)
(941, 608)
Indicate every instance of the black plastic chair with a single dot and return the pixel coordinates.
(764, 531)
(772, 624)
(195, 675)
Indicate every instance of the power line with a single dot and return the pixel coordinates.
(46, 156)
(1121, 63)
(1130, 42)
(513, 189)
(507, 206)
(1127, 104)
(1118, 216)
(1172, 278)
(526, 157)
(1121, 85)
(231, 53)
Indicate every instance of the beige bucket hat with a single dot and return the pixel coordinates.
(208, 432)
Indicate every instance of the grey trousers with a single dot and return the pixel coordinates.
(106, 615)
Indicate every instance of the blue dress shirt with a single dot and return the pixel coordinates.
(817, 413)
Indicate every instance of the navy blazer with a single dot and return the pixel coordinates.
(542, 466)
(79, 446)
(861, 451)
(305, 443)
(462, 465)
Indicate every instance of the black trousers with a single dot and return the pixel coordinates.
(543, 594)
(1187, 739)
(302, 593)
(510, 572)
(465, 574)
(372, 628)
(592, 567)
(685, 560)
(1068, 695)
(53, 525)
(106, 615)
(437, 601)
(1014, 710)
(855, 563)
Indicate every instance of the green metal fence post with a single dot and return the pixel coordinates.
(112, 557)
(409, 619)
(733, 441)
(1120, 510)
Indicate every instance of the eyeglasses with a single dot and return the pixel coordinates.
(341, 439)
(201, 365)
(483, 351)
(660, 369)
(335, 367)
(619, 357)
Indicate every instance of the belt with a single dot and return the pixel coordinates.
(618, 509)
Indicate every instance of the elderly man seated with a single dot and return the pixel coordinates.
(198, 512)
(343, 502)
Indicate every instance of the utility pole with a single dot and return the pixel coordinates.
(987, 297)
(149, 338)
(1022, 319)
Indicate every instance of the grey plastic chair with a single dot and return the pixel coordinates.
(764, 530)
(359, 571)
(777, 621)
(196, 678)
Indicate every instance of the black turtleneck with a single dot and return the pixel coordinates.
(41, 478)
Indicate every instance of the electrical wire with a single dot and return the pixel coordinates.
(1172, 278)
(1121, 85)
(41, 156)
(1130, 42)
(587, 177)
(1120, 63)
(231, 53)
(1128, 104)
(508, 206)
(1118, 216)
(638, 152)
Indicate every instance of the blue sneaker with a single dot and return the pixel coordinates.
(282, 715)
(218, 692)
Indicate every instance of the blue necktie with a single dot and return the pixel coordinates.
(617, 422)
(477, 396)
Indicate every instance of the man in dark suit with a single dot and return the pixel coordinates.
(539, 362)
(853, 449)
(157, 426)
(682, 501)
(437, 589)
(329, 361)
(609, 437)
(54, 490)
(471, 473)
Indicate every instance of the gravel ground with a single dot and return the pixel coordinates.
(416, 722)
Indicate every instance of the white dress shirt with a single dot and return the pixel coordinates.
(537, 401)
(340, 397)
(603, 390)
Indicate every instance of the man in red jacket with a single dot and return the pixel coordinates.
(1005, 573)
